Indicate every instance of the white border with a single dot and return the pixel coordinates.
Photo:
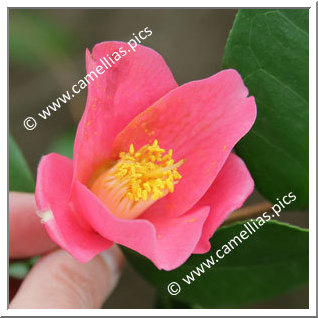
(160, 312)
(312, 158)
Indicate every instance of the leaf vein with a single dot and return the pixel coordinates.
(279, 149)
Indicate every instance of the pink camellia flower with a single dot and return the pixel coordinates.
(152, 166)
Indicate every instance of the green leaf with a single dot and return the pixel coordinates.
(63, 144)
(163, 301)
(20, 177)
(19, 270)
(270, 50)
(271, 261)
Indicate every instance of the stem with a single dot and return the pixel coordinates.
(249, 211)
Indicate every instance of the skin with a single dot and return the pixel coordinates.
(57, 280)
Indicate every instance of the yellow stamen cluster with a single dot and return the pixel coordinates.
(148, 172)
(136, 180)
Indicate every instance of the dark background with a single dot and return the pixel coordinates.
(47, 56)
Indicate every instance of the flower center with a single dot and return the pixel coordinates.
(137, 180)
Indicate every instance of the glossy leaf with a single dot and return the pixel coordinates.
(271, 261)
(270, 50)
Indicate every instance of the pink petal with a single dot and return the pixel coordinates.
(136, 81)
(201, 121)
(228, 192)
(167, 242)
(66, 228)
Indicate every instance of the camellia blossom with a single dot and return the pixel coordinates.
(152, 166)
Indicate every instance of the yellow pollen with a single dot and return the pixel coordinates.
(147, 172)
(131, 149)
(137, 180)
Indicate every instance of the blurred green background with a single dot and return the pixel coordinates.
(47, 56)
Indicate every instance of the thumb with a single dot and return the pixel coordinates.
(59, 281)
